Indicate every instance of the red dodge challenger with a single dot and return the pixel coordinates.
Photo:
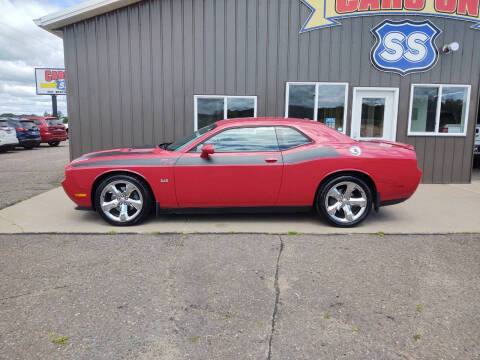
(247, 164)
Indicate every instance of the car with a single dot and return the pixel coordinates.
(8, 136)
(66, 128)
(51, 129)
(251, 164)
(27, 132)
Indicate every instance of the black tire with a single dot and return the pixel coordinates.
(141, 185)
(320, 201)
(3, 149)
(28, 147)
(54, 143)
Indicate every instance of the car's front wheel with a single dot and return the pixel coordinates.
(123, 200)
(344, 201)
(54, 143)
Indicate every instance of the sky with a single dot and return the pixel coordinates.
(23, 47)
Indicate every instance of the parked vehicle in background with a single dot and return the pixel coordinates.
(27, 132)
(66, 129)
(52, 130)
(8, 136)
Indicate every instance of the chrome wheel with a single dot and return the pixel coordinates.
(346, 202)
(121, 201)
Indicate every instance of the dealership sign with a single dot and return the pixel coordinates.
(50, 81)
(325, 13)
(404, 46)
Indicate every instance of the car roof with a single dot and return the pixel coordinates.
(263, 121)
(311, 128)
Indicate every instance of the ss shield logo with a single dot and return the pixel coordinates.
(405, 46)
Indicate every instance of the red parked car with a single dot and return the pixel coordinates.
(247, 163)
(52, 130)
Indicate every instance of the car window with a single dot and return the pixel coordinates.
(3, 123)
(244, 139)
(28, 124)
(38, 122)
(54, 122)
(179, 145)
(289, 138)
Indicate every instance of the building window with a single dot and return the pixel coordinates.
(212, 108)
(439, 110)
(319, 101)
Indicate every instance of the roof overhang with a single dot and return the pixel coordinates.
(56, 21)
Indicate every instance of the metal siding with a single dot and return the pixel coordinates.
(132, 73)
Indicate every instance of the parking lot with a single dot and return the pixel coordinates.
(26, 173)
(205, 296)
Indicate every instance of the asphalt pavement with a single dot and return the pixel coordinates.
(26, 173)
(239, 296)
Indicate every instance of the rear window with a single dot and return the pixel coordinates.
(289, 138)
(28, 124)
(54, 122)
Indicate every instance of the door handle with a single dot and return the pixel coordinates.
(271, 160)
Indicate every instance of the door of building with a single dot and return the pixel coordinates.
(374, 113)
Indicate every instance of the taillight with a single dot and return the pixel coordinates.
(20, 129)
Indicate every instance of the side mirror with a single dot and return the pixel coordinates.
(207, 150)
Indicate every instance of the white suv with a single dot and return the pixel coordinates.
(8, 136)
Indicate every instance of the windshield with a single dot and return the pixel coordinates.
(54, 122)
(185, 142)
(28, 124)
(3, 123)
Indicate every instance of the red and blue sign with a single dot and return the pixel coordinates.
(405, 47)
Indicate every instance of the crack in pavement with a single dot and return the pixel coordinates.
(277, 297)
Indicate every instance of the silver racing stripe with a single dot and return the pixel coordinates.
(309, 154)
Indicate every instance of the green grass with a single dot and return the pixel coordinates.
(194, 339)
(419, 308)
(325, 315)
(229, 315)
(112, 233)
(62, 340)
(416, 336)
(292, 233)
(381, 233)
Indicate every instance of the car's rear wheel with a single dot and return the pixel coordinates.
(28, 147)
(344, 201)
(54, 143)
(123, 200)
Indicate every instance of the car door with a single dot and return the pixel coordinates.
(245, 170)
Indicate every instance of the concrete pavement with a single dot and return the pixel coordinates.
(432, 209)
(242, 296)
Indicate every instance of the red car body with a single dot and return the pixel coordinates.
(50, 133)
(290, 178)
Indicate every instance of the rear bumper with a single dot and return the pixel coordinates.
(8, 142)
(31, 141)
(50, 138)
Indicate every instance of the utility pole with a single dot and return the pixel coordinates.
(54, 105)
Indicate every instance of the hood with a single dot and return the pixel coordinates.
(120, 152)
